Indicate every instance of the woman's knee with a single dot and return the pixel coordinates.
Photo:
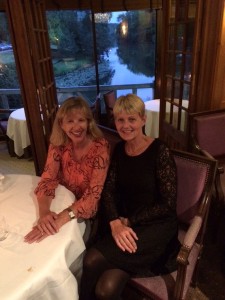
(111, 284)
(92, 259)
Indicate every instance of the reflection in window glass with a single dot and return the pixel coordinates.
(186, 91)
(192, 9)
(171, 37)
(8, 73)
(180, 37)
(170, 64)
(187, 73)
(179, 60)
(169, 88)
(177, 90)
(190, 36)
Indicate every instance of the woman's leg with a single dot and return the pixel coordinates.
(111, 284)
(93, 266)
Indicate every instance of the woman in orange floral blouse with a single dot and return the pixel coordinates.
(78, 158)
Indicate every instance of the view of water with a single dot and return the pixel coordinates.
(124, 76)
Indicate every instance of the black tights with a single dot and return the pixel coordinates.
(100, 279)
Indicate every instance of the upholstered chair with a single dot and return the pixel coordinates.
(195, 182)
(208, 137)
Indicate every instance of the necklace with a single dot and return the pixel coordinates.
(138, 150)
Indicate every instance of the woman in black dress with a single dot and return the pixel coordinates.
(139, 205)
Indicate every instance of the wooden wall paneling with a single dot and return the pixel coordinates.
(209, 45)
(218, 93)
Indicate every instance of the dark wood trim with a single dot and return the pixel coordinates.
(211, 27)
(98, 5)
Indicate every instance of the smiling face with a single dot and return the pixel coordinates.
(75, 125)
(129, 126)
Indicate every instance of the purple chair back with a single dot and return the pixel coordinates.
(192, 176)
(210, 132)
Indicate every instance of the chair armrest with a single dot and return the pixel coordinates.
(192, 232)
(189, 239)
(220, 170)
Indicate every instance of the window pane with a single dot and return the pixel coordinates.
(169, 88)
(179, 58)
(180, 37)
(171, 37)
(190, 36)
(181, 10)
(186, 91)
(177, 89)
(170, 64)
(8, 73)
(129, 58)
(71, 41)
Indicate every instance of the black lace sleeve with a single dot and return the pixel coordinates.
(165, 204)
(109, 193)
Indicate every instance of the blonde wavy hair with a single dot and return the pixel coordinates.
(129, 103)
(58, 136)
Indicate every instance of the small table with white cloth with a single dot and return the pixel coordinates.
(40, 270)
(152, 110)
(17, 131)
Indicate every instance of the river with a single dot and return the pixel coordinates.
(124, 76)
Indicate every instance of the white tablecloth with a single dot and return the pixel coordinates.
(39, 271)
(152, 121)
(152, 108)
(17, 131)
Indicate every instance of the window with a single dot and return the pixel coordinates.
(116, 52)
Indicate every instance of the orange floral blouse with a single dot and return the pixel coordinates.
(85, 178)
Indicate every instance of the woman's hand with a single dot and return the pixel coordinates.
(124, 236)
(47, 223)
(37, 234)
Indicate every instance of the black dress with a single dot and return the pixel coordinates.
(142, 188)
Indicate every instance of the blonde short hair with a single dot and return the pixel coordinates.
(58, 136)
(129, 103)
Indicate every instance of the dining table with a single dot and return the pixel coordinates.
(44, 270)
(152, 110)
(17, 131)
